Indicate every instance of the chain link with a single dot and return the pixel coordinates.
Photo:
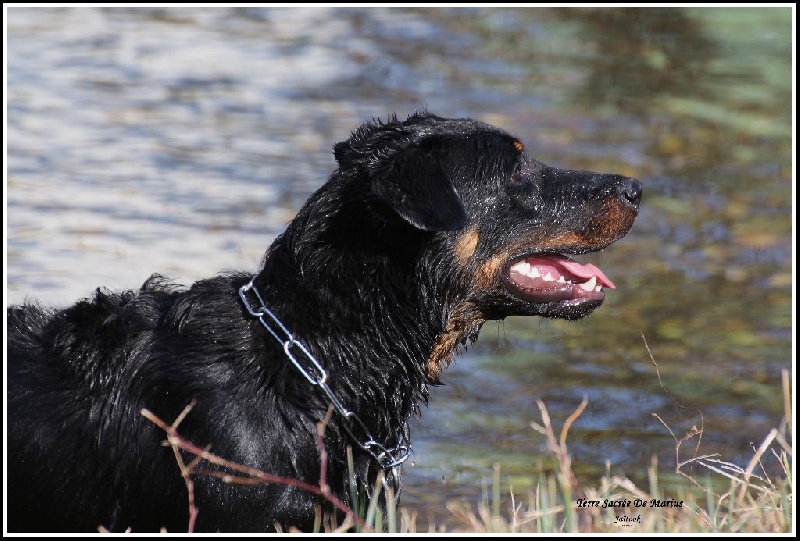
(389, 458)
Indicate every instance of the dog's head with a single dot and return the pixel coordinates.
(487, 229)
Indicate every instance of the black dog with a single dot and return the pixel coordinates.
(428, 228)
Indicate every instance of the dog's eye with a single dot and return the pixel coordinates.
(516, 179)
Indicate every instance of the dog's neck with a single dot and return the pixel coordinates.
(356, 305)
(365, 321)
(350, 284)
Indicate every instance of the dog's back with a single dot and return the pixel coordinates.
(76, 379)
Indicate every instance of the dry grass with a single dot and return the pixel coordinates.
(752, 502)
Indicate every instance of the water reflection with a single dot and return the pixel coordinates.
(631, 57)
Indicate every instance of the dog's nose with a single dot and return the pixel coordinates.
(630, 190)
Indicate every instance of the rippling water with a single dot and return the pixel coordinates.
(183, 140)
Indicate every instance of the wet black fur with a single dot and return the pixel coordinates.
(364, 275)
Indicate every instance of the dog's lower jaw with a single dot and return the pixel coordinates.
(464, 322)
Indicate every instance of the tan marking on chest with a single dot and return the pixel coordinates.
(464, 322)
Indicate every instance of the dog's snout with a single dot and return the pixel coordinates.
(630, 190)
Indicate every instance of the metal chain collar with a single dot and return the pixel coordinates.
(389, 458)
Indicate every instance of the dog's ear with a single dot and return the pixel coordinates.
(413, 182)
(404, 171)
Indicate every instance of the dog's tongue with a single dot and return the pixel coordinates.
(559, 265)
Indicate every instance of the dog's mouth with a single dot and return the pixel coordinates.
(555, 278)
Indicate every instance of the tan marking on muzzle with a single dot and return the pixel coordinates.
(518, 145)
(488, 273)
(465, 247)
(611, 222)
(562, 241)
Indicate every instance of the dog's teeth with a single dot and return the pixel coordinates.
(534, 273)
(549, 277)
(598, 289)
(523, 267)
(590, 285)
(561, 279)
